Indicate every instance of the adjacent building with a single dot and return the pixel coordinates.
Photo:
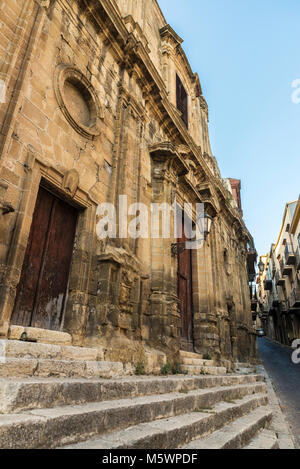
(101, 102)
(279, 280)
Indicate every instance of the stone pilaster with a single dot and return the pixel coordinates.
(164, 316)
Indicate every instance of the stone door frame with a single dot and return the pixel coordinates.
(66, 186)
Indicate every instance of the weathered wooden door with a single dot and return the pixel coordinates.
(41, 293)
(185, 296)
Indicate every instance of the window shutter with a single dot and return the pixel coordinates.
(182, 100)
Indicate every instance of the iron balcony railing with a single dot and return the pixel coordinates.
(253, 298)
(298, 259)
(273, 268)
(280, 280)
(289, 254)
(285, 306)
(285, 268)
(281, 265)
(295, 297)
(275, 299)
(268, 284)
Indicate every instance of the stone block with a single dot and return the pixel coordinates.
(39, 335)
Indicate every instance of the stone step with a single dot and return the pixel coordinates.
(197, 362)
(244, 368)
(35, 334)
(37, 350)
(266, 439)
(49, 428)
(204, 370)
(243, 365)
(236, 434)
(245, 371)
(184, 354)
(26, 367)
(19, 395)
(172, 432)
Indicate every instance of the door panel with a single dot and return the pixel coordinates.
(185, 295)
(42, 289)
(26, 290)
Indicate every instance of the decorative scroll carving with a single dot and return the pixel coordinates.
(71, 182)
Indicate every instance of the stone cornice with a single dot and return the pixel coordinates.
(171, 41)
(166, 152)
(168, 33)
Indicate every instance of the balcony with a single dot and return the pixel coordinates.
(273, 268)
(280, 280)
(275, 300)
(268, 285)
(297, 264)
(285, 268)
(290, 258)
(253, 298)
(264, 312)
(285, 306)
(251, 260)
(254, 316)
(295, 298)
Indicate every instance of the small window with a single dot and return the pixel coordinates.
(182, 100)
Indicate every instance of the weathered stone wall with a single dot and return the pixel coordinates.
(125, 137)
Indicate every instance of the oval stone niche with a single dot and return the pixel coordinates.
(78, 101)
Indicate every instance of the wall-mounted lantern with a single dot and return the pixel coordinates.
(205, 223)
(261, 266)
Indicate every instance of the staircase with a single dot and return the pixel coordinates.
(24, 359)
(46, 401)
(194, 364)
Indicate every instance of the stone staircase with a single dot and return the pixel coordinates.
(23, 359)
(194, 364)
(135, 412)
(46, 401)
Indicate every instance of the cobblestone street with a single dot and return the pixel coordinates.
(286, 380)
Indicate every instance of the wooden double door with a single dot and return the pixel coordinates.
(42, 290)
(184, 287)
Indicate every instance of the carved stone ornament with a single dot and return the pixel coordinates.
(44, 3)
(71, 182)
(78, 101)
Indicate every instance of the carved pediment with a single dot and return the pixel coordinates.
(135, 29)
(167, 154)
(44, 3)
(212, 163)
(209, 197)
(169, 36)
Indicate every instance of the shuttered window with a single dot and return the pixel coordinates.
(182, 100)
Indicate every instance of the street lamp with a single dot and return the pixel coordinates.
(261, 266)
(204, 223)
(207, 222)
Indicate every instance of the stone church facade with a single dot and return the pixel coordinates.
(101, 102)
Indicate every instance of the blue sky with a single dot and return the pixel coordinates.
(247, 54)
